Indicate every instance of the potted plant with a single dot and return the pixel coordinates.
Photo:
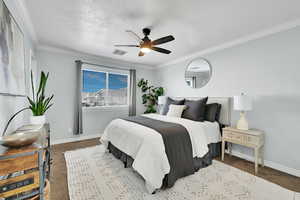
(150, 96)
(39, 104)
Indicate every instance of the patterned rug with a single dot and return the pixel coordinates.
(96, 175)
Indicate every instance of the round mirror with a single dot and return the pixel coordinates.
(198, 73)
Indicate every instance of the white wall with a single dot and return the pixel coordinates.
(62, 83)
(8, 104)
(267, 69)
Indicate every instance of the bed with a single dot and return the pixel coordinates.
(138, 144)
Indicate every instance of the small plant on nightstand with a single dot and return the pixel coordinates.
(39, 104)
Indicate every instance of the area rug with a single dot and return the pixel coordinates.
(94, 174)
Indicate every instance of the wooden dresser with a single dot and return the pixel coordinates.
(250, 138)
(23, 171)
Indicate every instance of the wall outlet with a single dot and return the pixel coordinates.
(70, 130)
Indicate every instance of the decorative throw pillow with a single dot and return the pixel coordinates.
(176, 110)
(195, 109)
(169, 102)
(212, 112)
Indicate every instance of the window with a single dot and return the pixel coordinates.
(104, 88)
(191, 81)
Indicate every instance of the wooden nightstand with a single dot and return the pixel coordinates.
(251, 138)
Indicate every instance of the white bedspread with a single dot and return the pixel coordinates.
(146, 146)
(212, 131)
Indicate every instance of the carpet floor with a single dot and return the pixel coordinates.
(59, 188)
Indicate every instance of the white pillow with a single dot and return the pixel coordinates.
(176, 110)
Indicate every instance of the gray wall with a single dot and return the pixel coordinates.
(268, 69)
(62, 83)
(8, 104)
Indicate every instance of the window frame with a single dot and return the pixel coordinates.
(107, 72)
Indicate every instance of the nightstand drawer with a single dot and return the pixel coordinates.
(249, 139)
(241, 138)
(233, 136)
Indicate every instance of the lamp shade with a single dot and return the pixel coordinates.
(242, 103)
(162, 100)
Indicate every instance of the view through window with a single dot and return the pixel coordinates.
(104, 88)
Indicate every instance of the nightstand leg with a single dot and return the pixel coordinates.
(262, 156)
(223, 149)
(230, 149)
(256, 152)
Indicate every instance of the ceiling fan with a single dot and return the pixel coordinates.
(146, 45)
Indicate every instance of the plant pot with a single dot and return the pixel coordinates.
(38, 120)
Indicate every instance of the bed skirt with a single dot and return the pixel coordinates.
(214, 151)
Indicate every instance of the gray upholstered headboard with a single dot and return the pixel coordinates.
(225, 115)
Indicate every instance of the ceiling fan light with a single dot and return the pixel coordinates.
(145, 50)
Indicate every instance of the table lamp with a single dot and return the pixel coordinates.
(242, 103)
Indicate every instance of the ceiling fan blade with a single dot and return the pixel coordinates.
(161, 50)
(163, 40)
(134, 36)
(141, 53)
(119, 45)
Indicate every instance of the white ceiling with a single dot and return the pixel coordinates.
(94, 26)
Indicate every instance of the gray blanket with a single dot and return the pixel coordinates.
(178, 147)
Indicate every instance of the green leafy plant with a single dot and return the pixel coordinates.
(150, 95)
(39, 104)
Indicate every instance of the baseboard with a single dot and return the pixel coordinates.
(75, 139)
(271, 164)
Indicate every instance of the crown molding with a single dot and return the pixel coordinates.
(79, 54)
(242, 40)
(21, 7)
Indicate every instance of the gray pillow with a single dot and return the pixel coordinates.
(169, 102)
(212, 112)
(195, 110)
